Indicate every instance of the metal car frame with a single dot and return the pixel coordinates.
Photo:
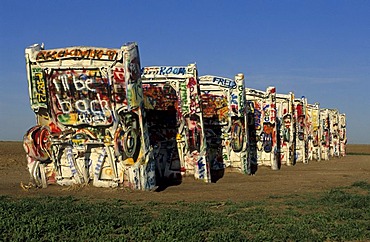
(89, 118)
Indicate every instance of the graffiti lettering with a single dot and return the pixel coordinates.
(194, 104)
(241, 100)
(184, 98)
(266, 112)
(201, 168)
(119, 85)
(106, 54)
(224, 82)
(194, 98)
(119, 75)
(234, 99)
(164, 70)
(84, 105)
(81, 93)
(134, 95)
(88, 118)
(269, 113)
(257, 118)
(39, 86)
(172, 70)
(272, 113)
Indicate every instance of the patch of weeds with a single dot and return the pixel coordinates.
(359, 153)
(337, 215)
(362, 184)
(285, 196)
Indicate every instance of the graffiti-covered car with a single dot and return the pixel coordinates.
(262, 127)
(313, 131)
(285, 128)
(342, 133)
(224, 112)
(301, 137)
(174, 114)
(89, 120)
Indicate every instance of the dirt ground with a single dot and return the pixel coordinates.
(317, 176)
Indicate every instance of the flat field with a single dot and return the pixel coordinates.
(315, 177)
(319, 201)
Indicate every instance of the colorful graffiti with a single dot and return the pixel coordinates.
(303, 132)
(223, 103)
(174, 71)
(263, 142)
(80, 97)
(301, 141)
(102, 119)
(215, 108)
(90, 126)
(77, 53)
(342, 134)
(253, 127)
(175, 119)
(325, 134)
(313, 131)
(285, 144)
(334, 133)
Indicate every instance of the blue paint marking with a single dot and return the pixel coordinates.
(224, 82)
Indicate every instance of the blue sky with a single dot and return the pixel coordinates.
(318, 49)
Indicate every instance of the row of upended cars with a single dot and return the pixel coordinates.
(103, 119)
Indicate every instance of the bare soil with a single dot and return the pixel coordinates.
(315, 177)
